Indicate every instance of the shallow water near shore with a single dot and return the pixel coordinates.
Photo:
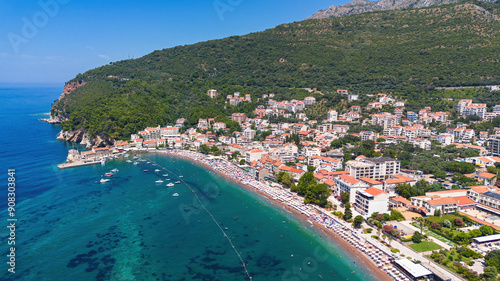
(132, 228)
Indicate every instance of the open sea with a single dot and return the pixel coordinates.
(72, 227)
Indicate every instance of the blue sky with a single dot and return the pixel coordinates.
(50, 41)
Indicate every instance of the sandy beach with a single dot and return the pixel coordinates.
(306, 217)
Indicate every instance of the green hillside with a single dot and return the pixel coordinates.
(407, 52)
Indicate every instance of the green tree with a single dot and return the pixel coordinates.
(490, 273)
(358, 220)
(417, 237)
(440, 174)
(344, 197)
(437, 213)
(347, 214)
(486, 230)
(286, 179)
(306, 182)
(396, 215)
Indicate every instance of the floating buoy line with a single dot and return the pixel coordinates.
(243, 264)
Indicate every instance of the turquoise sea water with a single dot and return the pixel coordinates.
(71, 227)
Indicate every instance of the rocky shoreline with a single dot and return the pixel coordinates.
(81, 136)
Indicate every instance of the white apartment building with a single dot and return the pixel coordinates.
(374, 168)
(371, 200)
(345, 183)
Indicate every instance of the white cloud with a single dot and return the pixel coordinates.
(104, 57)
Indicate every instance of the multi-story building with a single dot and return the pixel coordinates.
(410, 132)
(462, 104)
(169, 132)
(202, 123)
(309, 100)
(399, 113)
(447, 202)
(466, 107)
(249, 133)
(239, 117)
(368, 135)
(411, 116)
(494, 144)
(446, 139)
(345, 183)
(371, 200)
(374, 168)
(385, 120)
(486, 197)
(212, 93)
(332, 115)
(422, 143)
(253, 155)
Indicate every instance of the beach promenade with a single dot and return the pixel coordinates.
(377, 256)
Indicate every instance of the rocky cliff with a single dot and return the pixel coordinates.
(81, 136)
(364, 6)
(70, 87)
(55, 115)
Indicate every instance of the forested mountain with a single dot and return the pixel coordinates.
(407, 52)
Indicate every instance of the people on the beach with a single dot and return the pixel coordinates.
(314, 213)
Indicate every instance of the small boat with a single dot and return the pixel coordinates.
(104, 180)
(115, 170)
(136, 157)
(129, 161)
(168, 179)
(148, 162)
(181, 176)
(170, 184)
(155, 164)
(177, 182)
(165, 175)
(159, 181)
(175, 194)
(108, 174)
(157, 170)
(136, 163)
(145, 171)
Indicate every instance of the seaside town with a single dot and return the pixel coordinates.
(414, 191)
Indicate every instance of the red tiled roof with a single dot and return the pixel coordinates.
(374, 191)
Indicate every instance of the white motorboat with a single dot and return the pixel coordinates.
(104, 180)
(165, 175)
(181, 176)
(159, 181)
(157, 170)
(115, 170)
(129, 161)
(175, 194)
(177, 182)
(136, 163)
(170, 184)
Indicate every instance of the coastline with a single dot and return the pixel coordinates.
(333, 237)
